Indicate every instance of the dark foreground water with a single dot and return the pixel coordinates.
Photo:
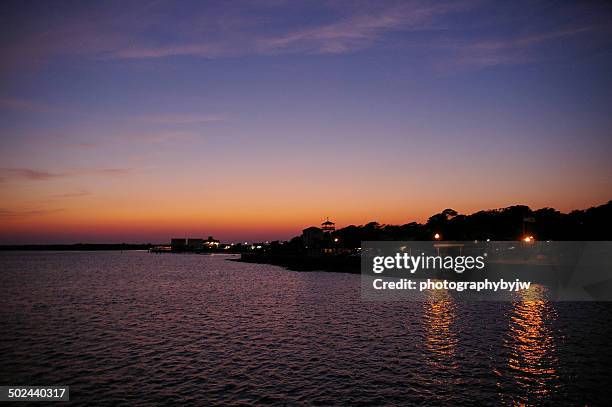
(135, 328)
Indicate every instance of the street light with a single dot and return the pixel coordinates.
(437, 236)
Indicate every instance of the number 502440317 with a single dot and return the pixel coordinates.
(49, 393)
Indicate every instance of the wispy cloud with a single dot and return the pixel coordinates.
(140, 32)
(538, 38)
(360, 30)
(103, 171)
(202, 50)
(74, 194)
(483, 53)
(10, 213)
(181, 119)
(159, 137)
(81, 145)
(20, 104)
(357, 28)
(41, 175)
(27, 173)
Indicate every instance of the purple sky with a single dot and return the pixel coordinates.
(135, 121)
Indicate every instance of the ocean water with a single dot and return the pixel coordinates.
(135, 328)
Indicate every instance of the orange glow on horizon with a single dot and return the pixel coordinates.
(140, 208)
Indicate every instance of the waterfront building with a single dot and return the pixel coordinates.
(211, 243)
(195, 244)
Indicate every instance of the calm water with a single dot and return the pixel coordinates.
(137, 328)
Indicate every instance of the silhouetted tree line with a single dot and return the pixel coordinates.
(511, 223)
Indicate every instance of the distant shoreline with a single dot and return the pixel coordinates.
(76, 247)
(297, 262)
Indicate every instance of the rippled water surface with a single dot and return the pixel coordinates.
(136, 328)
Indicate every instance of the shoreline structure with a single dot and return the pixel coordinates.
(326, 248)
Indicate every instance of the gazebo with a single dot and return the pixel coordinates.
(328, 226)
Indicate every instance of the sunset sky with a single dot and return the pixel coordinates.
(126, 121)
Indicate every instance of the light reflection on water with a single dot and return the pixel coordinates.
(441, 341)
(532, 358)
(441, 334)
(135, 328)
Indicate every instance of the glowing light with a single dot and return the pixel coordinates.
(336, 239)
(528, 239)
(437, 236)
